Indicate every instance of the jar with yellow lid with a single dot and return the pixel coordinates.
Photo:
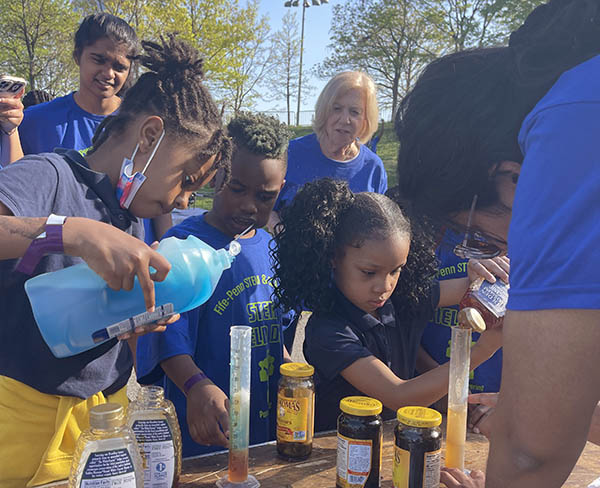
(360, 441)
(418, 448)
(295, 411)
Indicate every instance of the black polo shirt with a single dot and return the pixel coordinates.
(63, 184)
(336, 340)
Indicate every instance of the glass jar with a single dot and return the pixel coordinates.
(360, 442)
(153, 420)
(295, 411)
(107, 453)
(418, 448)
(489, 299)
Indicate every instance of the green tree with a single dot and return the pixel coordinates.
(387, 39)
(37, 43)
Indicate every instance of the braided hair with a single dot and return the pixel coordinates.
(324, 218)
(173, 90)
(259, 134)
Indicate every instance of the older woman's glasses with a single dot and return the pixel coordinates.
(474, 245)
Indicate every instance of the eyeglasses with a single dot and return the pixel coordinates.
(474, 245)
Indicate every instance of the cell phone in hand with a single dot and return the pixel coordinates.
(11, 86)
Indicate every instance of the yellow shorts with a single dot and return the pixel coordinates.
(38, 432)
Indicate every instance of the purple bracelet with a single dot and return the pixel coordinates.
(192, 380)
(49, 242)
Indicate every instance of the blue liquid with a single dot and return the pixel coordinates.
(71, 304)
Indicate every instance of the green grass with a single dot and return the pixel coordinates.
(387, 150)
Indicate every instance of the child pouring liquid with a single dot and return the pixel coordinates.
(169, 129)
(341, 255)
(194, 352)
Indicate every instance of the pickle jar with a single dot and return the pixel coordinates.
(418, 448)
(359, 443)
(489, 299)
(295, 411)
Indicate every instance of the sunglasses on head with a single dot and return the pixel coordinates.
(474, 245)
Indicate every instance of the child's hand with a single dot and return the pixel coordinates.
(208, 414)
(489, 269)
(11, 113)
(456, 478)
(480, 417)
(115, 255)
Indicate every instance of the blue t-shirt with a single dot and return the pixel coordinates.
(306, 162)
(437, 335)
(58, 123)
(242, 297)
(554, 231)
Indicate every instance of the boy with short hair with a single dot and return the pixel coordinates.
(194, 352)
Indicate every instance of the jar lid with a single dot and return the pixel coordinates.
(107, 416)
(361, 406)
(419, 416)
(296, 370)
(470, 317)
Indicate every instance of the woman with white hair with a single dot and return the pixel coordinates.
(346, 113)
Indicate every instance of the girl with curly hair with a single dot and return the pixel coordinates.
(341, 255)
(165, 142)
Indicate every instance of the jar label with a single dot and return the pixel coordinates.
(353, 461)
(292, 419)
(494, 296)
(109, 469)
(432, 462)
(158, 451)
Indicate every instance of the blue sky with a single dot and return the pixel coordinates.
(316, 38)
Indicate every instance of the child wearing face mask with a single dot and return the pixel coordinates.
(361, 338)
(164, 143)
(105, 47)
(194, 352)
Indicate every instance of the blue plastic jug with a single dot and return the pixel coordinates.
(75, 309)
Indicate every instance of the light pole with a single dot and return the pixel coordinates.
(305, 4)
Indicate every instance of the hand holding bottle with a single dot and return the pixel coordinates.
(115, 255)
(489, 269)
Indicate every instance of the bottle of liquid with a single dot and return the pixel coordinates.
(76, 310)
(489, 299)
(153, 420)
(418, 448)
(295, 411)
(360, 443)
(107, 454)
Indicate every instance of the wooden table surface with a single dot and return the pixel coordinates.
(318, 471)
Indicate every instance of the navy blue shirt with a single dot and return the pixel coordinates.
(242, 297)
(336, 340)
(36, 186)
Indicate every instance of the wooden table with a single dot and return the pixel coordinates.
(318, 471)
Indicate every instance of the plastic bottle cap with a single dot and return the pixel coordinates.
(107, 416)
(419, 416)
(296, 370)
(361, 406)
(234, 248)
(471, 317)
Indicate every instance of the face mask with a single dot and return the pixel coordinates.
(129, 184)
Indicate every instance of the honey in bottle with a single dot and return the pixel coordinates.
(295, 411)
(489, 299)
